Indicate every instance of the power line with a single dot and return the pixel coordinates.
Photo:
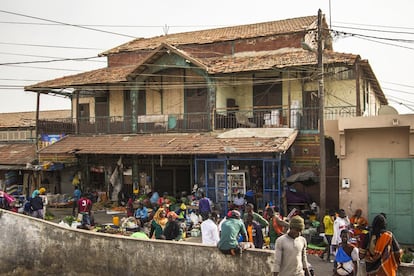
(51, 46)
(373, 25)
(374, 37)
(67, 24)
(372, 40)
(114, 26)
(47, 61)
(373, 30)
(405, 85)
(37, 56)
(46, 68)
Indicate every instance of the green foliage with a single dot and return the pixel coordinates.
(407, 257)
(69, 220)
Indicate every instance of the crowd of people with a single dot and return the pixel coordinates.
(34, 205)
(349, 240)
(352, 240)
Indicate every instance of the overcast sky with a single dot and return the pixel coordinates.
(44, 30)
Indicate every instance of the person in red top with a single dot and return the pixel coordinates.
(85, 208)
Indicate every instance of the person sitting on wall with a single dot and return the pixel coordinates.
(231, 228)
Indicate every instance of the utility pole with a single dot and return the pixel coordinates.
(322, 156)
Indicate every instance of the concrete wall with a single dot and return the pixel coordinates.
(360, 138)
(35, 247)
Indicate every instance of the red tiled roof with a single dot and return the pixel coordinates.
(282, 58)
(17, 153)
(220, 34)
(249, 61)
(28, 119)
(170, 144)
(108, 75)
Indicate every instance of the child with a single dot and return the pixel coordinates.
(347, 257)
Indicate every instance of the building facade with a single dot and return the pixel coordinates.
(183, 93)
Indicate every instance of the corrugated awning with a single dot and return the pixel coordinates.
(258, 141)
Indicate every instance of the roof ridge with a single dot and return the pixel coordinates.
(217, 34)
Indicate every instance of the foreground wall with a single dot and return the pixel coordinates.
(31, 246)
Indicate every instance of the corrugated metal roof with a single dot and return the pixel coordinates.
(17, 153)
(220, 34)
(28, 119)
(173, 144)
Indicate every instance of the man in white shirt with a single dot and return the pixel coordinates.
(209, 230)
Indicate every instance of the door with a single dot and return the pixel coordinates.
(267, 91)
(164, 181)
(102, 114)
(196, 108)
(391, 191)
(310, 110)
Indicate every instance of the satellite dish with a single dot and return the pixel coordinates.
(387, 110)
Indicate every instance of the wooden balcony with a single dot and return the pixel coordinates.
(276, 117)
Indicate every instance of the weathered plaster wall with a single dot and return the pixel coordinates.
(116, 102)
(35, 247)
(360, 138)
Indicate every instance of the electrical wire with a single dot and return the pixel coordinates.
(373, 30)
(114, 26)
(66, 24)
(47, 61)
(37, 56)
(51, 46)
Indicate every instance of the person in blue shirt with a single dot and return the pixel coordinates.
(76, 196)
(141, 214)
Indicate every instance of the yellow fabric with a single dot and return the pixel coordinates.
(162, 221)
(250, 232)
(328, 223)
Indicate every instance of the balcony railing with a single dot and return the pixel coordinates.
(276, 117)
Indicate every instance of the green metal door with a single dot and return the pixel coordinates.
(391, 191)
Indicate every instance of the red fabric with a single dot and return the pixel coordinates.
(85, 205)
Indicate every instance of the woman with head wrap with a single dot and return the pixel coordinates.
(36, 205)
(173, 230)
(158, 224)
(383, 253)
(359, 225)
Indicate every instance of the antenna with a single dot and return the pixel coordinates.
(165, 29)
(330, 15)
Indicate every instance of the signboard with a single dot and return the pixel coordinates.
(48, 139)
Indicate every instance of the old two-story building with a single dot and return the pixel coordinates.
(20, 171)
(230, 109)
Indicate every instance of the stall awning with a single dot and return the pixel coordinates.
(238, 141)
